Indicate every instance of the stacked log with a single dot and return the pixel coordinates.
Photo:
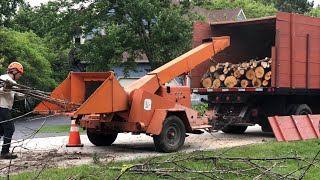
(255, 73)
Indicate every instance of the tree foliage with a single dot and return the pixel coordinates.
(315, 12)
(294, 6)
(31, 52)
(8, 9)
(158, 29)
(152, 27)
(55, 20)
(252, 8)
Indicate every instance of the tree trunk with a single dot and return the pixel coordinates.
(222, 77)
(256, 82)
(250, 74)
(265, 83)
(207, 82)
(230, 81)
(216, 83)
(212, 69)
(254, 73)
(244, 83)
(267, 76)
(259, 71)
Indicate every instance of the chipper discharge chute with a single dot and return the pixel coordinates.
(105, 108)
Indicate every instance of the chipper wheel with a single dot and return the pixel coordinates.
(172, 135)
(234, 129)
(101, 139)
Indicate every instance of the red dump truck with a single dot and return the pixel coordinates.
(292, 41)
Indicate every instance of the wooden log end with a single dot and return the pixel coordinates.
(259, 71)
(216, 83)
(265, 83)
(244, 83)
(230, 81)
(250, 74)
(256, 82)
(207, 82)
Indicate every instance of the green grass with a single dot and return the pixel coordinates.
(302, 149)
(57, 129)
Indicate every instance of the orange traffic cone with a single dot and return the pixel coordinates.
(74, 137)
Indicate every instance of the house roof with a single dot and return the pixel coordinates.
(141, 59)
(218, 15)
(269, 19)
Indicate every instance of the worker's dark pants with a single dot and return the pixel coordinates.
(6, 129)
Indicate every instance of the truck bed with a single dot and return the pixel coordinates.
(291, 40)
(254, 90)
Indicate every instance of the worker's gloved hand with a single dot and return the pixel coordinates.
(8, 85)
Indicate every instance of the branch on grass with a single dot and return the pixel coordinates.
(256, 168)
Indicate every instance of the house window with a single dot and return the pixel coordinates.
(77, 40)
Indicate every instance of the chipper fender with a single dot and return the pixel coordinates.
(160, 115)
(152, 110)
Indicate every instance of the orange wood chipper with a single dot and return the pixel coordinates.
(104, 108)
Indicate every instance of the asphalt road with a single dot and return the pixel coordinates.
(28, 126)
(128, 146)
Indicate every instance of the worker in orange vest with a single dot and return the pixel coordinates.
(15, 70)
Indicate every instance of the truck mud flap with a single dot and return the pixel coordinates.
(300, 127)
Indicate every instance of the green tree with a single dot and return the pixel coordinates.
(294, 6)
(252, 9)
(54, 20)
(315, 12)
(151, 27)
(8, 9)
(266, 2)
(31, 52)
(156, 28)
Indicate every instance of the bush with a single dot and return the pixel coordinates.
(202, 107)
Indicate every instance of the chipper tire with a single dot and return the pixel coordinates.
(234, 129)
(172, 135)
(101, 139)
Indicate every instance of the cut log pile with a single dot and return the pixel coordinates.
(255, 73)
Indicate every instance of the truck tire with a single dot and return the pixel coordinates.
(265, 126)
(172, 135)
(234, 129)
(101, 139)
(299, 109)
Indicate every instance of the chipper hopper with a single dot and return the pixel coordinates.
(104, 108)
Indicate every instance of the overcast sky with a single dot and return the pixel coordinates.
(38, 2)
(316, 2)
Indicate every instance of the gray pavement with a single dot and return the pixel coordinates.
(128, 146)
(27, 126)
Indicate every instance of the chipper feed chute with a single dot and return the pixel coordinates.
(93, 92)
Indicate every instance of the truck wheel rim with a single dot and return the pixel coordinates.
(173, 135)
(304, 113)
